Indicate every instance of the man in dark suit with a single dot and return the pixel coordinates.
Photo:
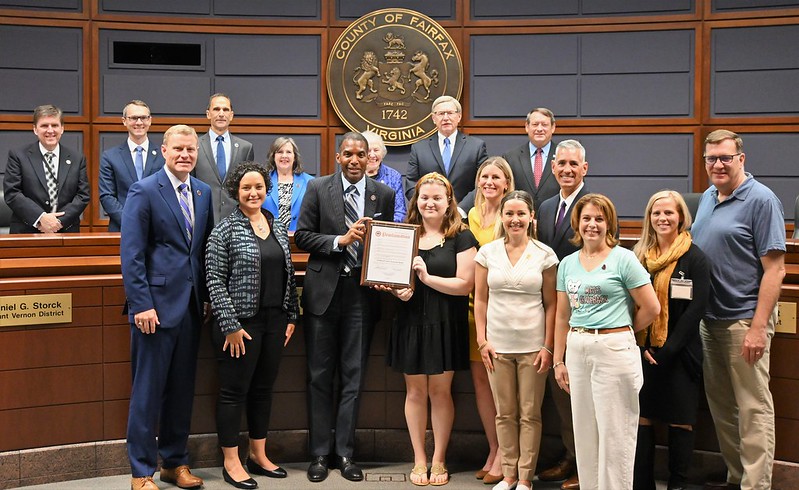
(45, 184)
(166, 221)
(339, 313)
(220, 152)
(554, 229)
(127, 163)
(448, 152)
(529, 161)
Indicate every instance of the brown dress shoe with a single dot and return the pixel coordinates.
(573, 483)
(143, 483)
(564, 469)
(181, 476)
(490, 479)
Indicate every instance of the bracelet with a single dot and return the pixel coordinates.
(481, 347)
(558, 364)
(547, 349)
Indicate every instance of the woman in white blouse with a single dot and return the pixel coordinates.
(514, 309)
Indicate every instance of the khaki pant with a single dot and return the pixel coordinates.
(740, 401)
(518, 391)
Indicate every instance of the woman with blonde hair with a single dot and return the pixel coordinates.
(671, 346)
(429, 337)
(494, 179)
(604, 296)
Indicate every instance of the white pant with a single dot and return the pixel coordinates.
(605, 377)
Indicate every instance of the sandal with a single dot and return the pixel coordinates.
(419, 470)
(438, 469)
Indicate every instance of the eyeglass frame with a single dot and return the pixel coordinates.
(445, 113)
(720, 158)
(138, 118)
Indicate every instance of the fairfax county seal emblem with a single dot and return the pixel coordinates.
(386, 69)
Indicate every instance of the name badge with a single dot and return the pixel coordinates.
(682, 288)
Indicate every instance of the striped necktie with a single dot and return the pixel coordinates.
(350, 217)
(184, 206)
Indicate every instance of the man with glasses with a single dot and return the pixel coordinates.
(45, 183)
(449, 153)
(220, 152)
(740, 226)
(127, 163)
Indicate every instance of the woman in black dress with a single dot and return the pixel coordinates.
(430, 336)
(671, 347)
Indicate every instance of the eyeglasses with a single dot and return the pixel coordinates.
(137, 118)
(724, 159)
(445, 113)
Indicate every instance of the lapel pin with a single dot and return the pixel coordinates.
(373, 197)
(69, 162)
(236, 145)
(153, 152)
(199, 192)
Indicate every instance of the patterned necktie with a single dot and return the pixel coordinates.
(561, 214)
(184, 206)
(350, 217)
(52, 180)
(446, 155)
(538, 166)
(139, 163)
(220, 157)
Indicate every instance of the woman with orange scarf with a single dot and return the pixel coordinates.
(671, 346)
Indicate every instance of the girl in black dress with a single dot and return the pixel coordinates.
(430, 336)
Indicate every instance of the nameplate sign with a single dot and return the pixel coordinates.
(35, 309)
(786, 317)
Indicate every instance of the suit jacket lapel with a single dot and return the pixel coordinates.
(37, 162)
(65, 164)
(168, 193)
(370, 201)
(205, 147)
(437, 154)
(149, 167)
(547, 170)
(526, 160)
(460, 142)
(275, 194)
(199, 199)
(127, 160)
(336, 193)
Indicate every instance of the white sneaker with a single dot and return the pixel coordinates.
(503, 485)
(522, 486)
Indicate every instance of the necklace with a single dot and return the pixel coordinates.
(590, 256)
(260, 225)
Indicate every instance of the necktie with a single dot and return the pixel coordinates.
(538, 166)
(184, 206)
(220, 157)
(446, 155)
(350, 217)
(561, 214)
(52, 181)
(139, 163)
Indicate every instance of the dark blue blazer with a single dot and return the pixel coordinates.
(117, 174)
(467, 155)
(297, 193)
(161, 269)
(557, 240)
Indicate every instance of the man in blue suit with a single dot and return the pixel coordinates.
(165, 223)
(127, 163)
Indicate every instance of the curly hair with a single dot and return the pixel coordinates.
(233, 179)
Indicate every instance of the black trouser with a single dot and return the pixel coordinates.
(248, 380)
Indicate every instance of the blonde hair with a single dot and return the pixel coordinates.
(179, 129)
(649, 237)
(452, 223)
(500, 163)
(608, 210)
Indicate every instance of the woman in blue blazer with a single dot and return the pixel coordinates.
(288, 181)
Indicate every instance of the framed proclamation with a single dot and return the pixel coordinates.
(389, 249)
